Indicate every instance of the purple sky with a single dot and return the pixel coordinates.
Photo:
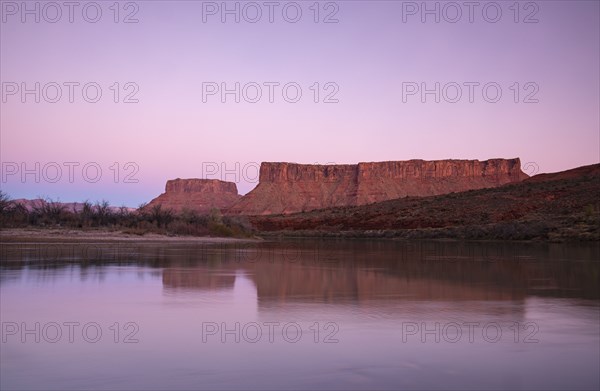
(368, 55)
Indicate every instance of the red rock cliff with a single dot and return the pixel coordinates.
(200, 195)
(290, 187)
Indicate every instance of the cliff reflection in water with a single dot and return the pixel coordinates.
(542, 300)
(330, 270)
(361, 271)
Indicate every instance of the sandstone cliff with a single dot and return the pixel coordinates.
(199, 195)
(559, 206)
(289, 187)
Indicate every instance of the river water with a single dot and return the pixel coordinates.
(304, 314)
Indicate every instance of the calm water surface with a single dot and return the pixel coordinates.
(299, 315)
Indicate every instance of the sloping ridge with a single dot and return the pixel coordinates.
(591, 170)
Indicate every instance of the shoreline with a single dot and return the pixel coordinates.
(29, 235)
(105, 235)
(468, 233)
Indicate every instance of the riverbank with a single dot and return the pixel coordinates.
(10, 235)
(525, 232)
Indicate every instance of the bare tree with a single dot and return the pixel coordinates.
(103, 212)
(5, 202)
(163, 217)
(49, 210)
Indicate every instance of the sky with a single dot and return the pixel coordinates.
(104, 100)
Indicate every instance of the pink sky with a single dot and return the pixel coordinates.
(368, 54)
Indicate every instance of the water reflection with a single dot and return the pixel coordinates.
(387, 304)
(331, 270)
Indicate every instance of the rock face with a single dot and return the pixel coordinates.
(199, 195)
(289, 187)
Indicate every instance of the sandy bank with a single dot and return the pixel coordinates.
(57, 234)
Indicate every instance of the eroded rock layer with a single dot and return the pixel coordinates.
(199, 195)
(290, 187)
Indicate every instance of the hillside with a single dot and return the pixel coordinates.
(558, 206)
